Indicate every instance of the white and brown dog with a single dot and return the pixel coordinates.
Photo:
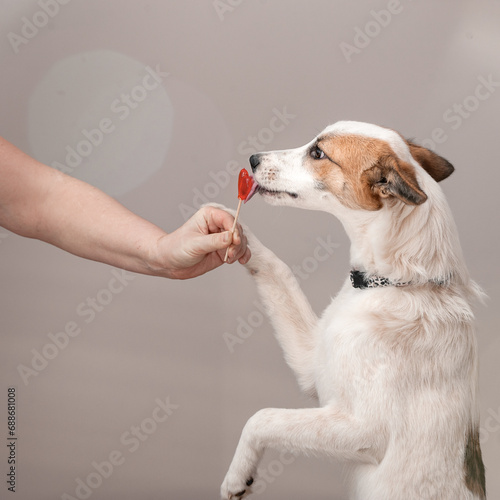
(393, 359)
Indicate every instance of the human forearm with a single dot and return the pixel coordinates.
(86, 222)
(39, 202)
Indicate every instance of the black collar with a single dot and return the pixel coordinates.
(359, 279)
(362, 280)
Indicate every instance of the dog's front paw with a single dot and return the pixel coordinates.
(233, 488)
(263, 261)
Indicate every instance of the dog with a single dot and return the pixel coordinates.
(393, 359)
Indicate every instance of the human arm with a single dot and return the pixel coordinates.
(40, 202)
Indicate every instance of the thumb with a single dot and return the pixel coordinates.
(215, 241)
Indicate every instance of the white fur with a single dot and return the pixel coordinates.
(394, 369)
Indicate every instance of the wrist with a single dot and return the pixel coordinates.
(157, 259)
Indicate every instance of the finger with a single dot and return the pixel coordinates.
(237, 235)
(238, 251)
(246, 257)
(214, 242)
(208, 247)
(217, 219)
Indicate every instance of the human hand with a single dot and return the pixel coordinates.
(199, 245)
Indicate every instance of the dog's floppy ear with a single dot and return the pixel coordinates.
(393, 177)
(435, 165)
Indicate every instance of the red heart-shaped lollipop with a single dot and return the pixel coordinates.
(246, 185)
(246, 189)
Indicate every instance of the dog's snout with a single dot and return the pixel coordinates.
(254, 161)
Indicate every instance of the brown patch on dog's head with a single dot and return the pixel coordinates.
(435, 165)
(473, 464)
(362, 171)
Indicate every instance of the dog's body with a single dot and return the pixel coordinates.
(394, 367)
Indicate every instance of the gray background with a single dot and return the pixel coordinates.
(232, 66)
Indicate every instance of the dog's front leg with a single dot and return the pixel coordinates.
(319, 431)
(289, 310)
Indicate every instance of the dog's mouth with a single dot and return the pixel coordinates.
(275, 193)
(271, 193)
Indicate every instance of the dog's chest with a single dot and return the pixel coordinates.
(353, 362)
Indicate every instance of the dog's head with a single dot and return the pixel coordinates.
(358, 165)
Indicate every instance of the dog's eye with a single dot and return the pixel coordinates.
(316, 153)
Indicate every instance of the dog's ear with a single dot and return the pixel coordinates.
(435, 165)
(391, 177)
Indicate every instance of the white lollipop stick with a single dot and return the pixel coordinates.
(234, 226)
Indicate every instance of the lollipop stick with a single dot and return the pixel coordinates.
(234, 226)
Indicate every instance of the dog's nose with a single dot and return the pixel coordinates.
(254, 161)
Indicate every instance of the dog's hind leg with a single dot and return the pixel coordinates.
(316, 431)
